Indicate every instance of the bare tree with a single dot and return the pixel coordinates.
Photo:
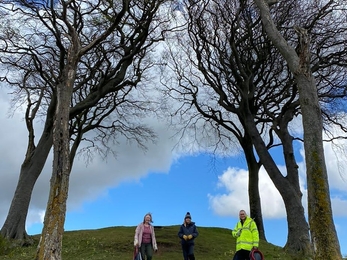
(235, 78)
(81, 58)
(323, 233)
(232, 82)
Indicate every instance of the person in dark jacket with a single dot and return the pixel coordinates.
(187, 233)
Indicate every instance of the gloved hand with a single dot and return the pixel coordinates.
(238, 232)
(185, 237)
(190, 236)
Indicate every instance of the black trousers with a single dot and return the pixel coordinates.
(188, 251)
(242, 255)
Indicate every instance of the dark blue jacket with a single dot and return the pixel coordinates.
(188, 230)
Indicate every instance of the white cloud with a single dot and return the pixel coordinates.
(35, 216)
(235, 183)
(235, 195)
(336, 157)
(87, 182)
(339, 206)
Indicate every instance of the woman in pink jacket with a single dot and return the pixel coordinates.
(145, 238)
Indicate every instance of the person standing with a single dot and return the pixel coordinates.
(247, 236)
(187, 233)
(144, 239)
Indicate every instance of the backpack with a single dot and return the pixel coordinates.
(256, 255)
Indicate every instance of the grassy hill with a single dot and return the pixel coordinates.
(117, 243)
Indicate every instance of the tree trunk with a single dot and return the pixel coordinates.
(50, 246)
(298, 240)
(253, 186)
(292, 170)
(323, 232)
(14, 225)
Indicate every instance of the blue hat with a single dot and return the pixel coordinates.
(188, 216)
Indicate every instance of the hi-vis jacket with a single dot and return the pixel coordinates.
(246, 234)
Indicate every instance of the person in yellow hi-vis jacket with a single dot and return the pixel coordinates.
(247, 236)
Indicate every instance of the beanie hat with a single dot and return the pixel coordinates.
(188, 216)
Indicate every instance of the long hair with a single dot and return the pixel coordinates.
(147, 214)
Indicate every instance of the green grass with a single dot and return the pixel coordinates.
(117, 243)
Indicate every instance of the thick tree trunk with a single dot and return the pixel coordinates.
(14, 225)
(323, 232)
(292, 177)
(253, 186)
(50, 246)
(298, 240)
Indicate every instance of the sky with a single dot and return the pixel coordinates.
(164, 181)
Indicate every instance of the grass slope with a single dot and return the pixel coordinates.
(117, 243)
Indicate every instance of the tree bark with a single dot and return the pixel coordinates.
(302, 241)
(253, 186)
(298, 241)
(323, 232)
(50, 246)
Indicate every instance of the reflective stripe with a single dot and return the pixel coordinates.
(249, 236)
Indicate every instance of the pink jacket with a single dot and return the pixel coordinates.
(138, 236)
